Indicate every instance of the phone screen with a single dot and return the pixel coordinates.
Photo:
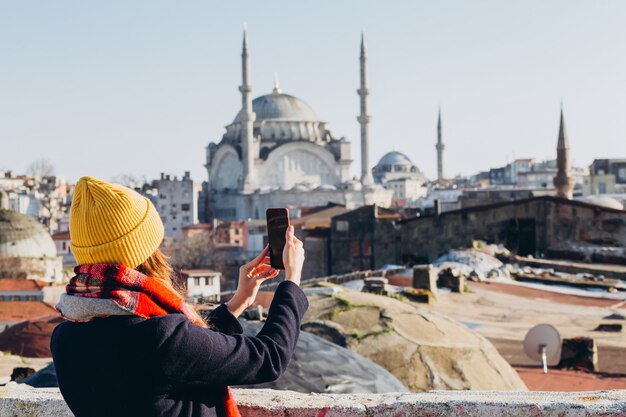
(277, 224)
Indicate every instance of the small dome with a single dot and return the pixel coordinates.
(281, 107)
(395, 158)
(602, 200)
(23, 237)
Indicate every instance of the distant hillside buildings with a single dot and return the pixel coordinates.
(46, 199)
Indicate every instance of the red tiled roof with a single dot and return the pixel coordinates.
(61, 236)
(24, 310)
(555, 297)
(21, 284)
(569, 381)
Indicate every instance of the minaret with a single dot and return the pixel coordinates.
(364, 119)
(563, 181)
(440, 147)
(247, 120)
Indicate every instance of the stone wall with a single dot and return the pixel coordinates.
(363, 239)
(525, 227)
(40, 402)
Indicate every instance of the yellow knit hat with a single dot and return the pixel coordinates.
(110, 223)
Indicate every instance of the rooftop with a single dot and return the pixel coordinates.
(14, 311)
(20, 284)
(61, 236)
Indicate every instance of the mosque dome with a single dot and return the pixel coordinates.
(395, 158)
(396, 165)
(280, 107)
(23, 237)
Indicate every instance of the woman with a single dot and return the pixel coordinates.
(131, 346)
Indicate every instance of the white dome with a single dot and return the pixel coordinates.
(281, 107)
(23, 237)
(395, 158)
(396, 165)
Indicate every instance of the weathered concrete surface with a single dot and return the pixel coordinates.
(424, 350)
(264, 403)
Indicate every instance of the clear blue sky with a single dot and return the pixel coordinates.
(118, 87)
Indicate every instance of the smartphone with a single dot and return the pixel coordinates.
(277, 224)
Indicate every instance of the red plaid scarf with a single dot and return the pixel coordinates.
(143, 296)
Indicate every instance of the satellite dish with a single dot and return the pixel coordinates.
(543, 343)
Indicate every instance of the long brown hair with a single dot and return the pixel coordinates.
(158, 267)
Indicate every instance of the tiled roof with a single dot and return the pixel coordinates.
(61, 236)
(14, 311)
(563, 381)
(20, 284)
(320, 218)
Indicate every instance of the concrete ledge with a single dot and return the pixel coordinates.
(39, 402)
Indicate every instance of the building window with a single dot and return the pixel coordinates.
(186, 218)
(236, 231)
(185, 207)
(196, 281)
(64, 245)
(208, 281)
(602, 188)
(621, 175)
(342, 226)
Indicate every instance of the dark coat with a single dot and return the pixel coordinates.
(167, 366)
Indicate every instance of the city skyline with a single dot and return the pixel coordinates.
(129, 89)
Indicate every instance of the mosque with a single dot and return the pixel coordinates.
(278, 153)
(26, 249)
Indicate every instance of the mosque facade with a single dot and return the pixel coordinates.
(278, 153)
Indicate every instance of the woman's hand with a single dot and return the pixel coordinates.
(293, 257)
(251, 275)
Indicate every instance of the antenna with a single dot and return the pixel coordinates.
(543, 343)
